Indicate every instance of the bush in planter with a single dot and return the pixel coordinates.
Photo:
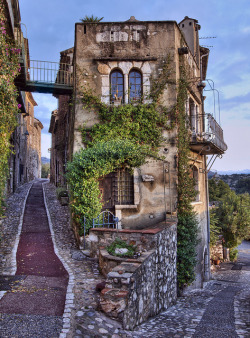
(62, 192)
(119, 244)
(62, 195)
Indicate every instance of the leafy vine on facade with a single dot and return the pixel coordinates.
(9, 68)
(137, 129)
(187, 230)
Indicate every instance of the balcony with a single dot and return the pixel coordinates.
(206, 135)
(42, 76)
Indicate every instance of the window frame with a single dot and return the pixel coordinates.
(111, 84)
(136, 98)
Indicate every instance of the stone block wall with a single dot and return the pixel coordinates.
(217, 251)
(137, 289)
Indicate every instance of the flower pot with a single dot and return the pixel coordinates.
(216, 261)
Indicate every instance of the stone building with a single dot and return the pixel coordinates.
(119, 61)
(59, 129)
(25, 161)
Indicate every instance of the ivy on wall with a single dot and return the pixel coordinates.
(9, 68)
(90, 164)
(124, 137)
(187, 229)
(138, 130)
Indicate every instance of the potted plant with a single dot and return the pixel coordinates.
(63, 195)
(216, 260)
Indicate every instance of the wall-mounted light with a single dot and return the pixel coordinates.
(201, 85)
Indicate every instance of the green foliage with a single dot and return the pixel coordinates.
(90, 164)
(140, 123)
(215, 230)
(118, 244)
(9, 68)
(61, 192)
(217, 189)
(186, 184)
(124, 137)
(91, 18)
(187, 231)
(233, 254)
(45, 170)
(243, 185)
(233, 216)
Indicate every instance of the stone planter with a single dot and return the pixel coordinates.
(64, 200)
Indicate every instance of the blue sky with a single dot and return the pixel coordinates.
(50, 29)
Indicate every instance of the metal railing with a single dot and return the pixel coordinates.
(49, 72)
(105, 219)
(204, 128)
(37, 72)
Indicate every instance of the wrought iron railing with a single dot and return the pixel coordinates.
(50, 72)
(42, 72)
(106, 219)
(204, 128)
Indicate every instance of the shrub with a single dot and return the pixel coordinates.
(118, 243)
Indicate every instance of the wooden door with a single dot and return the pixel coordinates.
(106, 185)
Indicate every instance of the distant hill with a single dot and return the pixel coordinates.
(239, 182)
(45, 160)
(231, 172)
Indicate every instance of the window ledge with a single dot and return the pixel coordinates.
(126, 206)
(196, 203)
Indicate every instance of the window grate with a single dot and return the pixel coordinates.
(124, 187)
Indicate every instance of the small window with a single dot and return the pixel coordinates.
(124, 187)
(135, 86)
(195, 175)
(116, 86)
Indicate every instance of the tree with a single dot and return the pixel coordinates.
(217, 189)
(45, 170)
(243, 185)
(233, 216)
(91, 18)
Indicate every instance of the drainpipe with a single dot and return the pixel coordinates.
(207, 251)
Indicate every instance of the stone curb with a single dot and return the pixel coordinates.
(69, 295)
(17, 239)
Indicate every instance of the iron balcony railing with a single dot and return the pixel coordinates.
(205, 130)
(50, 72)
(42, 76)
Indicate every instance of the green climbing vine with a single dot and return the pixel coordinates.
(9, 68)
(90, 164)
(124, 137)
(187, 229)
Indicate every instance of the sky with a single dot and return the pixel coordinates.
(50, 29)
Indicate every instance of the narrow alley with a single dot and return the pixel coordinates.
(35, 285)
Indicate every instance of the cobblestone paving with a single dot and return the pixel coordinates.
(190, 317)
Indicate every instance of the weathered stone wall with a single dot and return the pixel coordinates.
(137, 289)
(216, 251)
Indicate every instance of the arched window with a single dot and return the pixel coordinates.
(116, 86)
(135, 85)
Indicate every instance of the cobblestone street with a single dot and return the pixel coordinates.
(221, 309)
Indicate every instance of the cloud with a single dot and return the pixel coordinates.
(50, 26)
(246, 30)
